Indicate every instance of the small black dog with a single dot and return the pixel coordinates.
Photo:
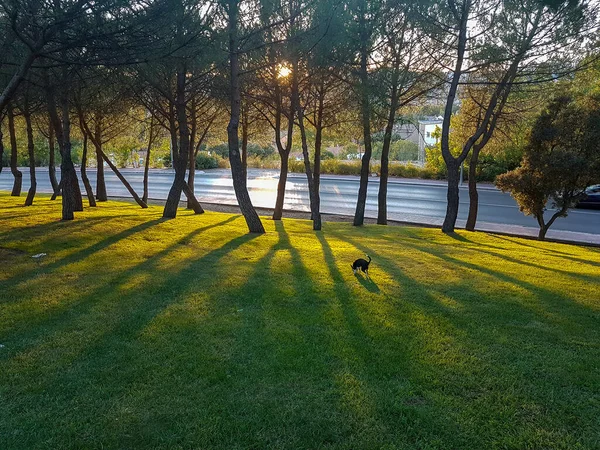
(361, 264)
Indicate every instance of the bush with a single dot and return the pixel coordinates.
(326, 154)
(260, 152)
(222, 150)
(206, 161)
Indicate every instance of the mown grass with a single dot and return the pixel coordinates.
(136, 332)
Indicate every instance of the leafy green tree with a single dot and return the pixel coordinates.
(561, 160)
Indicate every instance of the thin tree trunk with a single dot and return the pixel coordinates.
(245, 145)
(452, 163)
(16, 190)
(147, 162)
(192, 155)
(316, 217)
(86, 182)
(58, 191)
(239, 183)
(101, 194)
(180, 154)
(52, 163)
(284, 151)
(30, 151)
(365, 107)
(473, 194)
(283, 174)
(452, 196)
(1, 147)
(71, 194)
(385, 152)
(123, 180)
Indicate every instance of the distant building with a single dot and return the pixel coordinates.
(427, 135)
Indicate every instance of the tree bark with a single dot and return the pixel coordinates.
(52, 163)
(239, 183)
(283, 174)
(123, 180)
(58, 191)
(71, 194)
(473, 194)
(365, 108)
(315, 215)
(30, 151)
(385, 152)
(284, 151)
(86, 182)
(1, 148)
(192, 154)
(452, 196)
(245, 143)
(147, 162)
(16, 190)
(101, 194)
(451, 163)
(182, 154)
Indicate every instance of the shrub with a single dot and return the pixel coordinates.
(206, 161)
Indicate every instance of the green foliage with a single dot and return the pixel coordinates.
(561, 159)
(326, 154)
(434, 161)
(221, 149)
(258, 151)
(206, 161)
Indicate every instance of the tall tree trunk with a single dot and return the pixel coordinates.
(365, 108)
(283, 174)
(181, 156)
(101, 194)
(192, 154)
(385, 152)
(16, 190)
(473, 194)
(284, 151)
(30, 151)
(52, 163)
(452, 163)
(147, 161)
(239, 183)
(452, 196)
(86, 182)
(71, 194)
(1, 147)
(316, 217)
(245, 144)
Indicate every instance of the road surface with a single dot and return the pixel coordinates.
(418, 201)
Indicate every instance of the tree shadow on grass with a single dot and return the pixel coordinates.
(131, 302)
(83, 253)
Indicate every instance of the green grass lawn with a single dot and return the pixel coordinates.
(136, 332)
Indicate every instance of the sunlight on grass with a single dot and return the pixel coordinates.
(138, 332)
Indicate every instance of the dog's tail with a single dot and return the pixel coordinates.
(369, 258)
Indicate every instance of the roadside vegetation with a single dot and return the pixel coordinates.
(139, 332)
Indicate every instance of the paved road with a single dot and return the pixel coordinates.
(408, 200)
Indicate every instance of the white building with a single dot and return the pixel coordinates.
(428, 135)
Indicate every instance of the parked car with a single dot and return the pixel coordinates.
(592, 198)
